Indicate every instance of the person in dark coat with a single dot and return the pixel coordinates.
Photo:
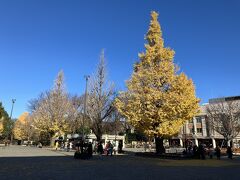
(218, 152)
(100, 148)
(120, 146)
(78, 146)
(90, 149)
(211, 151)
(81, 146)
(202, 151)
(195, 151)
(229, 152)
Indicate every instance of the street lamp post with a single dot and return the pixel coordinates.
(13, 101)
(85, 104)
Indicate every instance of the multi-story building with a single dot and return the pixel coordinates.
(198, 130)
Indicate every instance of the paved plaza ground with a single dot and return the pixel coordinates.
(17, 162)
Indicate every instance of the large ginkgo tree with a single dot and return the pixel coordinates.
(159, 99)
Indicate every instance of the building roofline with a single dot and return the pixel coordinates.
(222, 99)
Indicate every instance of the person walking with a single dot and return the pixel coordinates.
(211, 152)
(218, 152)
(107, 147)
(202, 151)
(229, 152)
(77, 145)
(68, 146)
(120, 146)
(56, 145)
(110, 148)
(39, 145)
(89, 150)
(195, 151)
(100, 148)
(145, 146)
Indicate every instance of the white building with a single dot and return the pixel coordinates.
(114, 139)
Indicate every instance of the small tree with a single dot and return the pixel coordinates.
(224, 118)
(100, 99)
(158, 100)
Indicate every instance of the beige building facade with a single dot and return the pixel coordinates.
(198, 130)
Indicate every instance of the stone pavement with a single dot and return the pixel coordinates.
(23, 151)
(17, 162)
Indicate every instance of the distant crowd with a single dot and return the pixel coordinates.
(202, 151)
(86, 149)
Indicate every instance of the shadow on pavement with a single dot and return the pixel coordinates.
(105, 167)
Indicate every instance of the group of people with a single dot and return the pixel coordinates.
(201, 151)
(7, 142)
(68, 145)
(84, 150)
(109, 148)
(87, 148)
(217, 151)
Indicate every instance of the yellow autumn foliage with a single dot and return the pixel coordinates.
(158, 100)
(1, 126)
(21, 127)
(55, 111)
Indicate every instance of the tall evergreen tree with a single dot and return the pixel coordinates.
(3, 113)
(2, 116)
(6, 124)
(158, 100)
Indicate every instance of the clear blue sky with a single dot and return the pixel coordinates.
(38, 38)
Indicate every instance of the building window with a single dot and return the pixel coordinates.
(191, 130)
(199, 119)
(199, 130)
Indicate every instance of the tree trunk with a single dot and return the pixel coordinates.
(98, 134)
(99, 138)
(160, 149)
(52, 141)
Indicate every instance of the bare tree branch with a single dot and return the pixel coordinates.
(100, 99)
(224, 118)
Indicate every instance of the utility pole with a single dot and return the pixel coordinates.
(85, 104)
(13, 101)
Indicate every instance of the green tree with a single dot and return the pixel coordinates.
(6, 124)
(159, 99)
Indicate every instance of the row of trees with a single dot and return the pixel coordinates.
(159, 99)
(157, 102)
(56, 113)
